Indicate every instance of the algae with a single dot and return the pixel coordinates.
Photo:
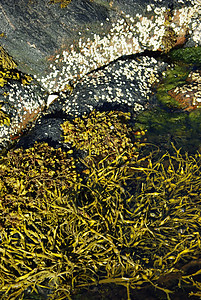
(6, 61)
(124, 218)
(63, 3)
(174, 76)
(4, 118)
(165, 126)
(187, 55)
(169, 39)
(168, 122)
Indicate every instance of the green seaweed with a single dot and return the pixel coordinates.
(174, 76)
(187, 55)
(165, 126)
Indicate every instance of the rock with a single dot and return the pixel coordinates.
(61, 45)
(124, 85)
(22, 104)
(46, 129)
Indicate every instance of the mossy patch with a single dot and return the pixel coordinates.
(174, 76)
(187, 55)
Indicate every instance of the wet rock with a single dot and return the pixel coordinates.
(124, 85)
(22, 104)
(61, 46)
(125, 82)
(47, 129)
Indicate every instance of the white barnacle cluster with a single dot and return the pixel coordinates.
(150, 30)
(4, 135)
(125, 82)
(189, 17)
(195, 29)
(127, 35)
(186, 17)
(89, 54)
(195, 77)
(189, 94)
(22, 104)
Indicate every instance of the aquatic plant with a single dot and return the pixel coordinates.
(188, 55)
(105, 136)
(4, 118)
(63, 3)
(8, 70)
(169, 39)
(131, 221)
(6, 61)
(174, 76)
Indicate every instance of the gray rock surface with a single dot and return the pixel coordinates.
(62, 47)
(124, 85)
(57, 45)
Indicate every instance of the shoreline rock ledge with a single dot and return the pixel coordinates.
(59, 46)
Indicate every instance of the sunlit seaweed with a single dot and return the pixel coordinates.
(4, 118)
(131, 221)
(6, 61)
(63, 3)
(8, 70)
(169, 37)
(103, 136)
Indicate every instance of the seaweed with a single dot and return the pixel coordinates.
(129, 219)
(174, 76)
(4, 118)
(63, 3)
(6, 61)
(189, 55)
